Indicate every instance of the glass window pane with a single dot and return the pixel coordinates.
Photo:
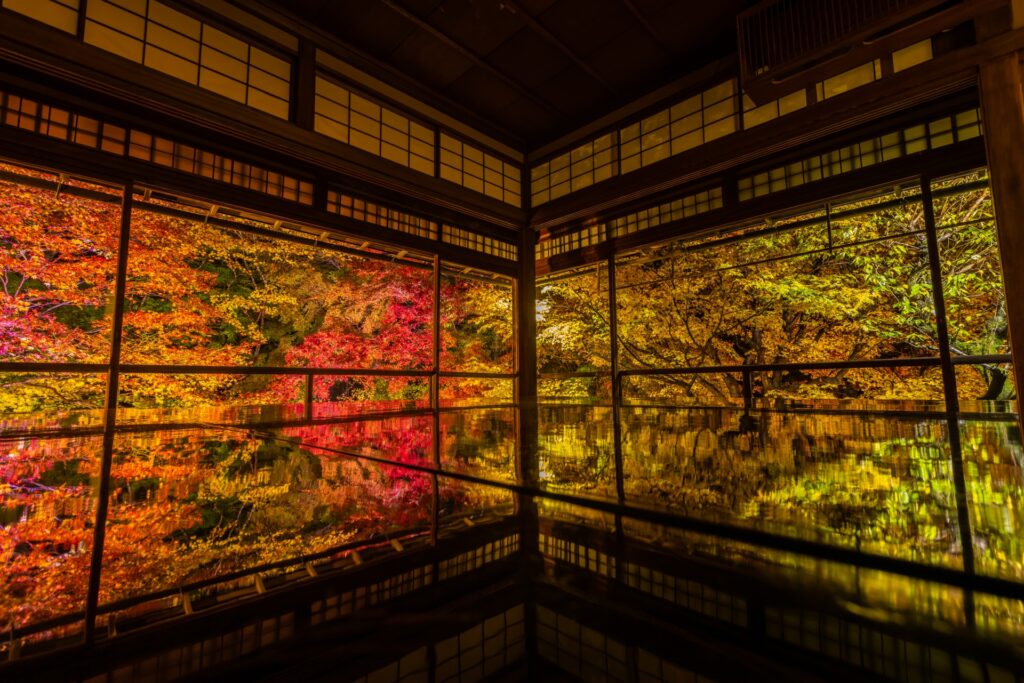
(476, 324)
(205, 294)
(972, 279)
(785, 296)
(573, 334)
(341, 395)
(475, 391)
(59, 252)
(209, 398)
(44, 402)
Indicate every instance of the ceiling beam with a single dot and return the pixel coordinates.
(318, 30)
(551, 38)
(469, 54)
(648, 27)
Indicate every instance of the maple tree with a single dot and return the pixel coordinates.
(191, 504)
(857, 287)
(854, 284)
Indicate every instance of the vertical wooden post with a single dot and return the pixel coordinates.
(526, 384)
(304, 86)
(435, 406)
(949, 393)
(83, 12)
(110, 418)
(1002, 106)
(613, 324)
(620, 486)
(527, 464)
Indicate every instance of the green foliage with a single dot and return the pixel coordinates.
(852, 284)
(65, 473)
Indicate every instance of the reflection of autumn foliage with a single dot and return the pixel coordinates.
(191, 506)
(479, 443)
(401, 440)
(45, 533)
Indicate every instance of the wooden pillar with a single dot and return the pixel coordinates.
(620, 487)
(950, 395)
(526, 383)
(528, 463)
(435, 407)
(304, 86)
(109, 418)
(613, 335)
(1002, 105)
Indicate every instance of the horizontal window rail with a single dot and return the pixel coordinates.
(910, 361)
(153, 369)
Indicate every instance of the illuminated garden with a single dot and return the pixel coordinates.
(277, 400)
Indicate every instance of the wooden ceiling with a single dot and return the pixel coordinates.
(534, 69)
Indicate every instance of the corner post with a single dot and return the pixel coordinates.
(527, 464)
(1002, 107)
(526, 386)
